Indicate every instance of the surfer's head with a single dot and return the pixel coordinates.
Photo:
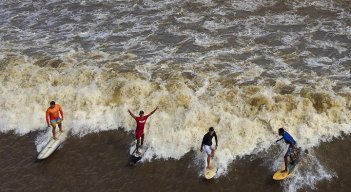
(52, 104)
(211, 130)
(281, 131)
(141, 113)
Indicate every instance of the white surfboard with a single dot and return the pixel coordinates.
(53, 144)
(134, 157)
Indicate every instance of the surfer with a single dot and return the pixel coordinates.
(53, 117)
(291, 152)
(139, 132)
(207, 144)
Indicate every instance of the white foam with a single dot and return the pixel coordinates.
(318, 62)
(285, 19)
(320, 4)
(206, 40)
(214, 25)
(291, 39)
(339, 46)
(308, 173)
(190, 18)
(95, 91)
(249, 5)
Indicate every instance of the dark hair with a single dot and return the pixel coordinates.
(141, 113)
(211, 129)
(281, 130)
(52, 103)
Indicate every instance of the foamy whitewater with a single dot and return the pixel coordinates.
(243, 67)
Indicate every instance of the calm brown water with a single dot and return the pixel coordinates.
(99, 162)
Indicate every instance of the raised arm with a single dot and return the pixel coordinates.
(152, 112)
(131, 114)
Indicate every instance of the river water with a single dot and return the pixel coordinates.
(244, 67)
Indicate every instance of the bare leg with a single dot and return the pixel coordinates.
(286, 163)
(213, 153)
(209, 162)
(137, 147)
(60, 125)
(54, 131)
(61, 128)
(142, 140)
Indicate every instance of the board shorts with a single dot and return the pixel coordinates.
(139, 134)
(56, 121)
(290, 150)
(208, 149)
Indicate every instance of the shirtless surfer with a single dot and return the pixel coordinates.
(139, 132)
(53, 117)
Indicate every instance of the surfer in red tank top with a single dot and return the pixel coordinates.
(139, 132)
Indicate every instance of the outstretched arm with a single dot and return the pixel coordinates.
(131, 114)
(152, 112)
(279, 139)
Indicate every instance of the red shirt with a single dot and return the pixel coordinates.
(141, 122)
(53, 113)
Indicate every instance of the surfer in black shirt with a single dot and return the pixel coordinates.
(207, 144)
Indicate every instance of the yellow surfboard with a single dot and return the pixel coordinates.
(280, 175)
(210, 173)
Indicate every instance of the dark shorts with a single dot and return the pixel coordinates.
(139, 134)
(290, 150)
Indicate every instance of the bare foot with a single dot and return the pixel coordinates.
(55, 138)
(62, 130)
(138, 153)
(209, 167)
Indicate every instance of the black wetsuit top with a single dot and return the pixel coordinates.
(207, 140)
